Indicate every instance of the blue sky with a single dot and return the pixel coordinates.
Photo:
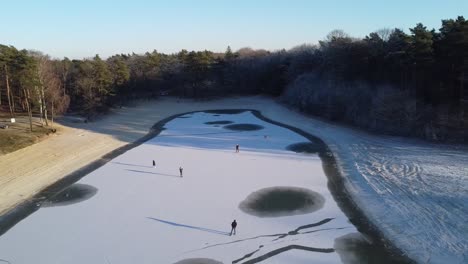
(83, 28)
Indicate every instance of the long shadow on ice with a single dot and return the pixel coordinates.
(133, 165)
(191, 227)
(155, 173)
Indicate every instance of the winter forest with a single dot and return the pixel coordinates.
(393, 82)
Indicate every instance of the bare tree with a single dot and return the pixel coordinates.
(385, 33)
(9, 93)
(57, 101)
(336, 34)
(28, 106)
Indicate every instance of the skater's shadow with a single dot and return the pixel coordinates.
(192, 227)
(155, 173)
(133, 165)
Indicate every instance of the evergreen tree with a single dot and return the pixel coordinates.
(228, 55)
(6, 60)
(102, 77)
(420, 48)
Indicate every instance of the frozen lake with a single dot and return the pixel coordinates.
(128, 211)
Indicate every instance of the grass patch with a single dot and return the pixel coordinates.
(18, 136)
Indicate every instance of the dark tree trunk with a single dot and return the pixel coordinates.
(9, 94)
(26, 95)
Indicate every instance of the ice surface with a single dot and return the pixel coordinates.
(142, 214)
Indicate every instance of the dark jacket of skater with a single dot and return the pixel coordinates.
(233, 227)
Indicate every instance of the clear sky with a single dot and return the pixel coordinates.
(83, 28)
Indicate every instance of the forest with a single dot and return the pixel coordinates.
(407, 84)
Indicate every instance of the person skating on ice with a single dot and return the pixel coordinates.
(181, 170)
(233, 227)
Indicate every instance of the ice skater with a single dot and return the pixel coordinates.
(154, 164)
(233, 227)
(181, 170)
(237, 148)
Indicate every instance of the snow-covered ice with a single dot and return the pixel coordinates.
(415, 192)
(146, 214)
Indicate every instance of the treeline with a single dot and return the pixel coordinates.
(390, 81)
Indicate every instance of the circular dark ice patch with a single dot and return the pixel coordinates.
(74, 194)
(354, 248)
(223, 122)
(244, 127)
(282, 201)
(304, 147)
(198, 261)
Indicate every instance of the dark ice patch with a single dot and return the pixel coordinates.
(74, 194)
(354, 248)
(282, 201)
(198, 261)
(244, 127)
(223, 122)
(305, 147)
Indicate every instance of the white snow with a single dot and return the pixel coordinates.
(142, 214)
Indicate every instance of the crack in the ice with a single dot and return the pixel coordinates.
(281, 235)
(287, 248)
(296, 231)
(324, 221)
(308, 232)
(246, 256)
